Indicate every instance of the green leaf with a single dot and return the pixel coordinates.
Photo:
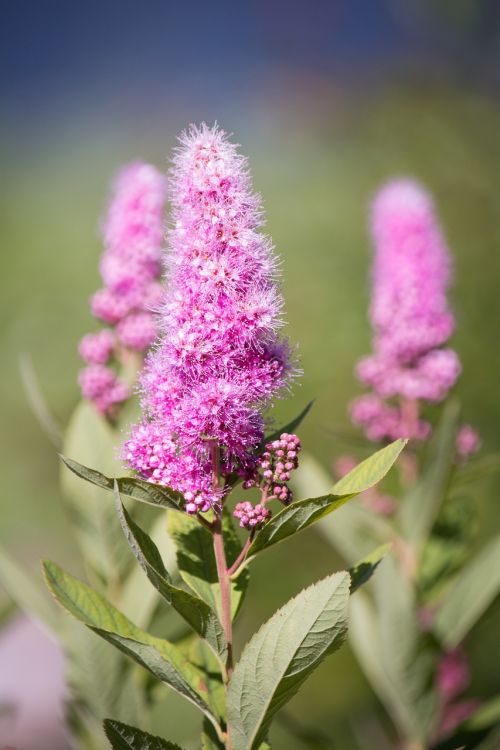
(123, 737)
(98, 533)
(476, 469)
(290, 427)
(487, 715)
(209, 739)
(365, 568)
(356, 530)
(29, 597)
(370, 471)
(138, 489)
(199, 615)
(407, 656)
(161, 658)
(282, 654)
(36, 399)
(365, 640)
(197, 652)
(101, 681)
(470, 596)
(196, 559)
(420, 506)
(303, 513)
(137, 600)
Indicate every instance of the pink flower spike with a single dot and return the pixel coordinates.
(97, 348)
(409, 314)
(130, 267)
(453, 675)
(219, 359)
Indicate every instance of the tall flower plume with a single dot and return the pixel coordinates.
(219, 360)
(130, 267)
(409, 315)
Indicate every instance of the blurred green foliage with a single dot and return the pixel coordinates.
(317, 168)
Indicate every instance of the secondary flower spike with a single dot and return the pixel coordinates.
(409, 315)
(130, 267)
(220, 359)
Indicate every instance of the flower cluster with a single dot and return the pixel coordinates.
(219, 360)
(452, 678)
(468, 441)
(250, 516)
(130, 267)
(409, 315)
(278, 460)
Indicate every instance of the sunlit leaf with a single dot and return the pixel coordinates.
(470, 596)
(303, 513)
(161, 658)
(421, 505)
(27, 595)
(282, 654)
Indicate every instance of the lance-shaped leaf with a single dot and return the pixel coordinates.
(161, 658)
(470, 596)
(282, 654)
(365, 640)
(138, 489)
(356, 530)
(370, 471)
(123, 737)
(303, 513)
(290, 427)
(420, 506)
(197, 613)
(196, 559)
(365, 568)
(476, 469)
(24, 592)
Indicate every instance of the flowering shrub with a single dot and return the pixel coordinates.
(408, 630)
(216, 366)
(207, 351)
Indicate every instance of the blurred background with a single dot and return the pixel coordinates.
(329, 99)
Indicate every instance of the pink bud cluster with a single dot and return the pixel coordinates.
(468, 441)
(409, 315)
(452, 678)
(130, 267)
(219, 359)
(271, 471)
(279, 459)
(251, 517)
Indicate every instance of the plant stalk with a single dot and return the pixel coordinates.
(225, 593)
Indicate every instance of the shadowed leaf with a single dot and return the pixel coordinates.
(138, 489)
(199, 615)
(124, 737)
